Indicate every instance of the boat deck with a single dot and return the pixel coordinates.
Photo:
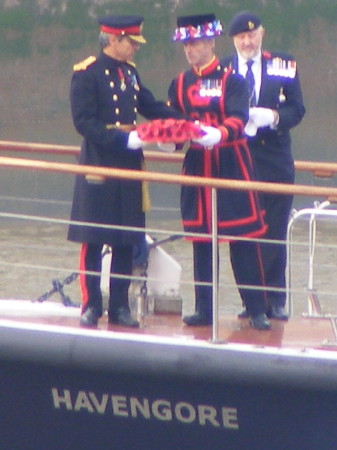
(300, 333)
(263, 380)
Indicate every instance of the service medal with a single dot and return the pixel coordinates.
(282, 97)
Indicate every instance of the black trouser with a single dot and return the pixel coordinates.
(274, 256)
(247, 269)
(91, 261)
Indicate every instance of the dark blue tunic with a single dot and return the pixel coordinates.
(273, 159)
(105, 96)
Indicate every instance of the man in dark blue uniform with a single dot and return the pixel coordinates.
(276, 106)
(218, 99)
(106, 95)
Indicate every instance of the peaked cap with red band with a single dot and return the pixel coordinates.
(130, 26)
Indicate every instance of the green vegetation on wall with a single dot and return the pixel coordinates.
(40, 40)
(286, 18)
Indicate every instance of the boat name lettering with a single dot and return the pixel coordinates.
(158, 409)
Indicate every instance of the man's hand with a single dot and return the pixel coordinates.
(134, 141)
(211, 137)
(250, 128)
(262, 117)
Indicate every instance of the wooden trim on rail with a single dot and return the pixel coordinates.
(34, 147)
(47, 166)
(319, 169)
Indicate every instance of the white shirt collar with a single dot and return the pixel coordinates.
(242, 63)
(256, 68)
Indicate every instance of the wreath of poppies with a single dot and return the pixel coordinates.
(169, 130)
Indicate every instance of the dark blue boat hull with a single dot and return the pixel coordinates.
(85, 391)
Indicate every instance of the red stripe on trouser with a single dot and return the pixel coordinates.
(82, 268)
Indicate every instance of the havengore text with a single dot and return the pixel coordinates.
(138, 408)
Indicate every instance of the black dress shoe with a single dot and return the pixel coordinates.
(123, 317)
(277, 313)
(89, 318)
(197, 320)
(260, 322)
(243, 314)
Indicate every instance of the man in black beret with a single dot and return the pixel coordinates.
(106, 95)
(243, 22)
(276, 106)
(218, 99)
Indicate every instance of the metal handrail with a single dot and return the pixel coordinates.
(328, 192)
(319, 169)
(314, 306)
(47, 166)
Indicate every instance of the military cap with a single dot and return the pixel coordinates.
(242, 22)
(200, 26)
(130, 26)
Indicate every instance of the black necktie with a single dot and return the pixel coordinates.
(251, 83)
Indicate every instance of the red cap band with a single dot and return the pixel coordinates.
(127, 30)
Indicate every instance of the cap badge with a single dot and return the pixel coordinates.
(250, 25)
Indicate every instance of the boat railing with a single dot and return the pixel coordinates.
(326, 210)
(318, 169)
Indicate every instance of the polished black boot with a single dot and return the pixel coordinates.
(260, 322)
(277, 313)
(89, 318)
(197, 319)
(123, 317)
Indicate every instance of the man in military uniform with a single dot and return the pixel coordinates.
(218, 99)
(276, 106)
(106, 95)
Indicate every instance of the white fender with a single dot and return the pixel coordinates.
(163, 271)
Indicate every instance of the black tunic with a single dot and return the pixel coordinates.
(106, 95)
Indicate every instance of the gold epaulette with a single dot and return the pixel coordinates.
(84, 64)
(132, 63)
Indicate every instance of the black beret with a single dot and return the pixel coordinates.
(123, 25)
(242, 22)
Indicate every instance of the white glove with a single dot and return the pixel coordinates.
(134, 141)
(262, 117)
(167, 147)
(212, 136)
(250, 128)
